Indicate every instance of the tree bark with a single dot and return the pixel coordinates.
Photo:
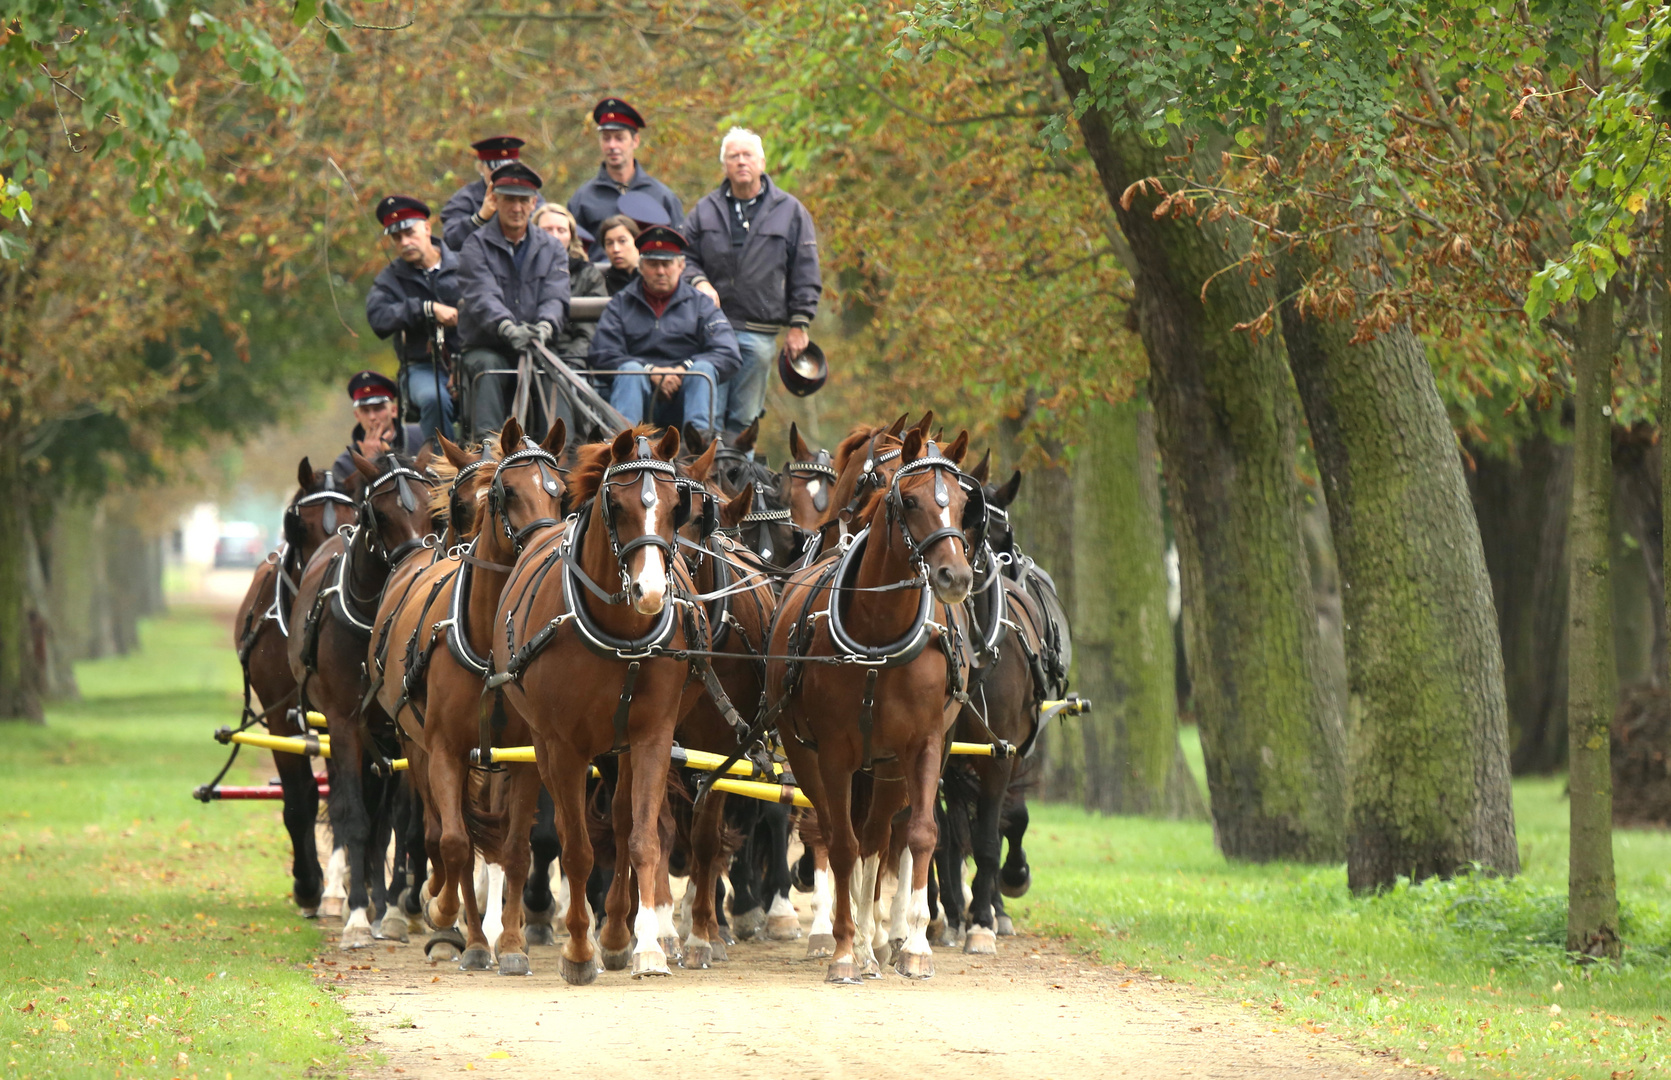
(19, 695)
(1429, 766)
(1638, 513)
(1592, 901)
(1226, 426)
(1122, 633)
(50, 663)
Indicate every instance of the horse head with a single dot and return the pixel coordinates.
(642, 504)
(318, 509)
(925, 503)
(527, 489)
(808, 479)
(390, 504)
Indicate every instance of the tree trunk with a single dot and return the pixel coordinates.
(1592, 902)
(1638, 513)
(1522, 505)
(1429, 762)
(19, 697)
(1226, 427)
(51, 666)
(1122, 633)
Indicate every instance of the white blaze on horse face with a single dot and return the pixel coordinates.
(652, 571)
(646, 927)
(823, 899)
(813, 487)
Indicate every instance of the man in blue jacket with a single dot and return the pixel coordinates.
(515, 291)
(756, 245)
(415, 301)
(472, 205)
(599, 198)
(661, 326)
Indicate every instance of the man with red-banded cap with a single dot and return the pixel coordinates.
(473, 205)
(514, 283)
(377, 426)
(662, 327)
(598, 198)
(415, 301)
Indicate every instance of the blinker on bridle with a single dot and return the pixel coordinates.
(813, 470)
(330, 496)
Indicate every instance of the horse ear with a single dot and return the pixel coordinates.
(703, 466)
(668, 448)
(455, 456)
(511, 434)
(923, 424)
(556, 438)
(621, 448)
(425, 456)
(695, 442)
(913, 446)
(897, 426)
(798, 448)
(982, 468)
(1006, 494)
(745, 441)
(959, 447)
(304, 474)
(732, 513)
(364, 467)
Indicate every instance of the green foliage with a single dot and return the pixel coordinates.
(101, 77)
(151, 935)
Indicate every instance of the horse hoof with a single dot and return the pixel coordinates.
(475, 958)
(896, 949)
(616, 959)
(750, 925)
(783, 928)
(649, 962)
(819, 946)
(1005, 927)
(331, 907)
(842, 973)
(981, 942)
(945, 935)
(672, 949)
(308, 912)
(444, 945)
(393, 927)
(577, 973)
(699, 955)
(539, 934)
(719, 951)
(357, 937)
(431, 909)
(514, 963)
(1014, 885)
(871, 970)
(915, 965)
(727, 936)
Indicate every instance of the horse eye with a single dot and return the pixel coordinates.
(910, 502)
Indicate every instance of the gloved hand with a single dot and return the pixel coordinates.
(516, 335)
(543, 331)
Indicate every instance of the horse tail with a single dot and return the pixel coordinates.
(487, 829)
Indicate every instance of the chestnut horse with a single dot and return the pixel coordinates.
(340, 590)
(434, 688)
(887, 696)
(589, 671)
(263, 629)
(809, 477)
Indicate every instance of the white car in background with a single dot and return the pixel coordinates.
(241, 545)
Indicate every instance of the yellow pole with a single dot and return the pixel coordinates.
(282, 744)
(317, 720)
(756, 789)
(974, 749)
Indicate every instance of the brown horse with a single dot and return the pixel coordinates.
(587, 668)
(809, 476)
(434, 690)
(340, 590)
(897, 670)
(263, 631)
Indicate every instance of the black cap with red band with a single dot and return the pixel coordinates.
(516, 179)
(397, 213)
(661, 242)
(499, 149)
(612, 112)
(372, 388)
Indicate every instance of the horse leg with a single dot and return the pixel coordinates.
(726, 937)
(704, 946)
(1016, 877)
(646, 790)
(377, 852)
(820, 939)
(949, 856)
(835, 822)
(540, 907)
(301, 813)
(748, 915)
(988, 845)
(417, 849)
(447, 787)
(565, 779)
(336, 872)
(352, 827)
(615, 935)
(782, 923)
(667, 935)
(916, 960)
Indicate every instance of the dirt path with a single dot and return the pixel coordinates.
(1034, 1011)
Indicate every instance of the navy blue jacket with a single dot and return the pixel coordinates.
(398, 305)
(599, 198)
(691, 328)
(458, 217)
(772, 281)
(494, 288)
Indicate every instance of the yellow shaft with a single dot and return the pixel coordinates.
(317, 720)
(973, 749)
(280, 743)
(756, 789)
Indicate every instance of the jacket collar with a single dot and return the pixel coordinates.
(492, 234)
(641, 178)
(768, 190)
(449, 261)
(635, 290)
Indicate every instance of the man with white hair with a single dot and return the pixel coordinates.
(755, 243)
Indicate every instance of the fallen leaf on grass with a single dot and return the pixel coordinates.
(60, 1024)
(1456, 1057)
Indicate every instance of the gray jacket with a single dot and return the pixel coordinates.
(772, 281)
(493, 288)
(597, 200)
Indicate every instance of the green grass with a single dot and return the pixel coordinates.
(145, 933)
(1466, 976)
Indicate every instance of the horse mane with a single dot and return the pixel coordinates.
(441, 495)
(856, 438)
(592, 461)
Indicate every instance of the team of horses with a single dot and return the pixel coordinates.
(628, 608)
